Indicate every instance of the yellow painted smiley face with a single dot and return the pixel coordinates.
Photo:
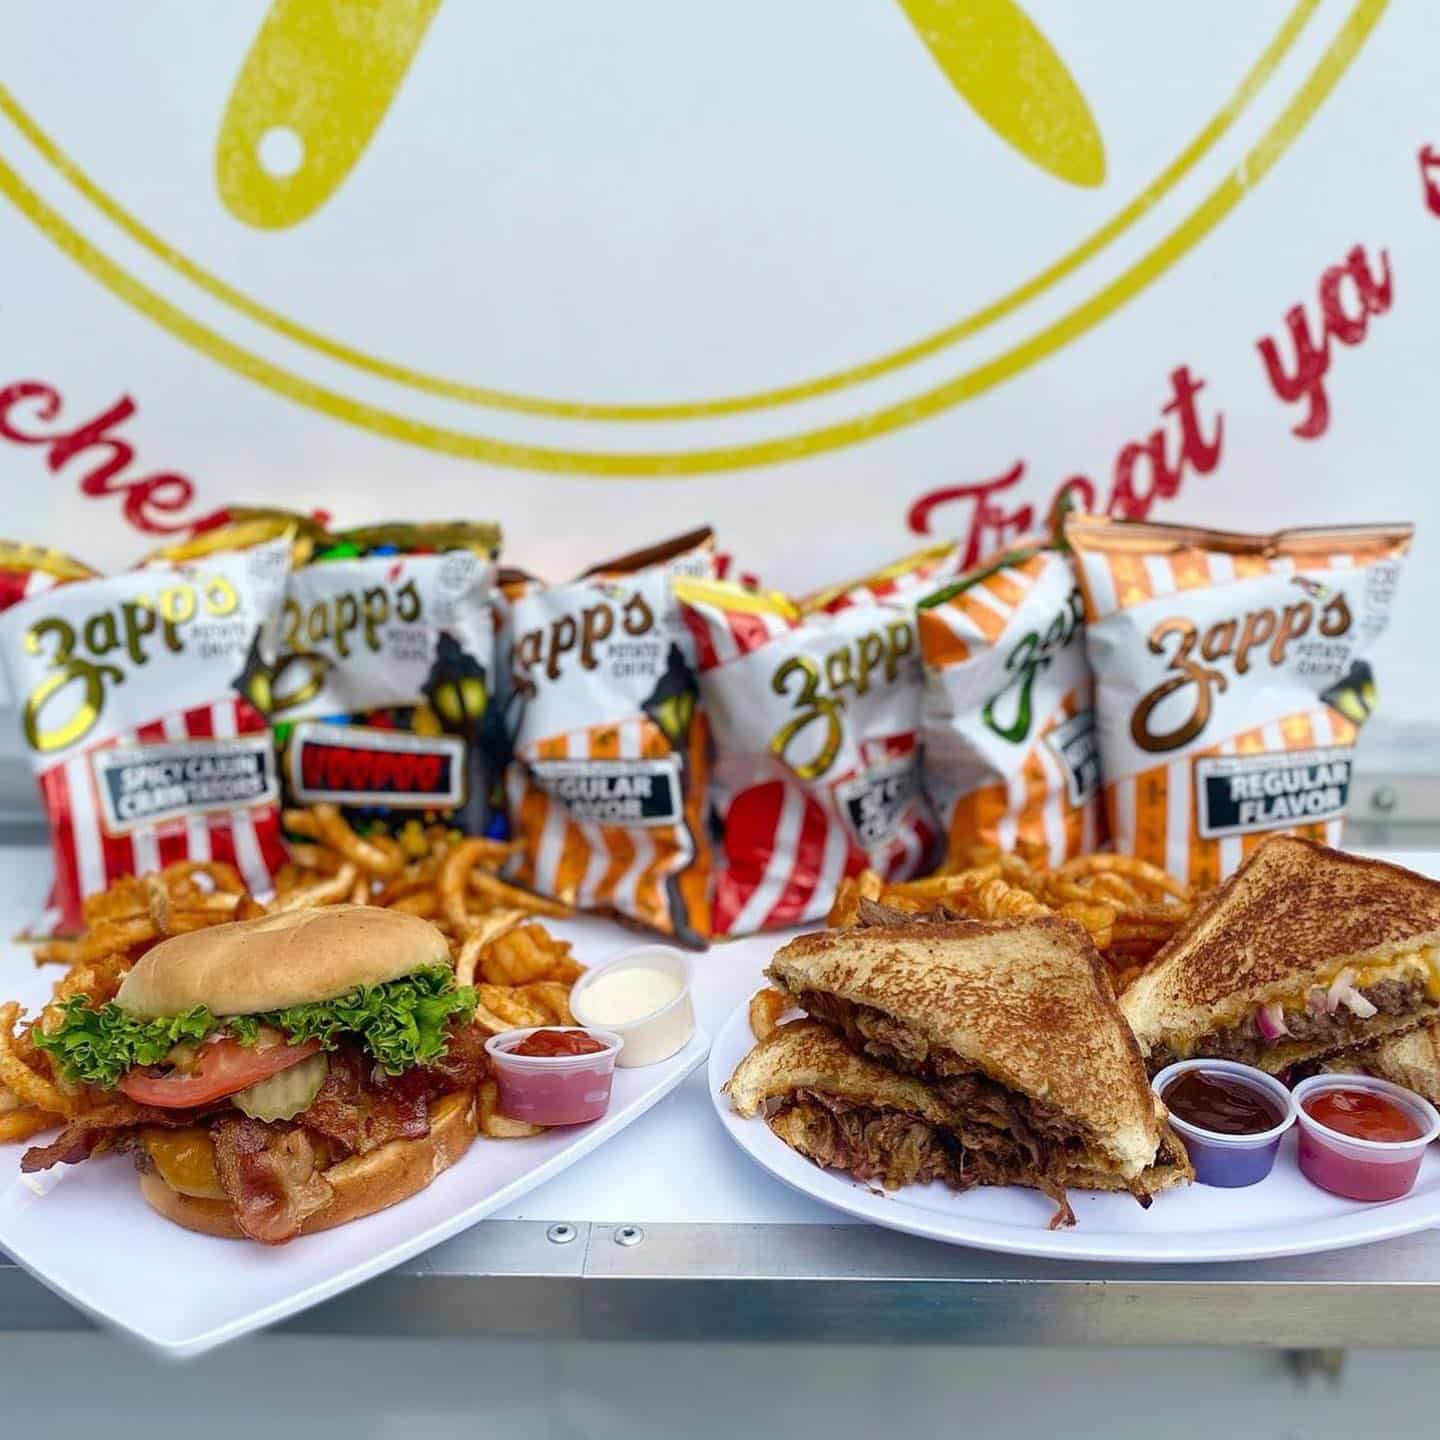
(311, 97)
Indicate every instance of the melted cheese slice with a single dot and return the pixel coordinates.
(1422, 964)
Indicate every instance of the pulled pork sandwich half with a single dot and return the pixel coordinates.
(278, 1076)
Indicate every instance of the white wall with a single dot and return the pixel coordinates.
(649, 205)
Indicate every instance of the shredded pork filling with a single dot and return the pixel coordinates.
(896, 1148)
(1050, 1141)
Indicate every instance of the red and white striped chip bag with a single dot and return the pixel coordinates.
(1011, 758)
(1232, 675)
(815, 718)
(145, 749)
(606, 788)
(904, 582)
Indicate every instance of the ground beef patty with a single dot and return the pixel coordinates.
(1337, 1031)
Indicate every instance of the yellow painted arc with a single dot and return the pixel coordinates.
(325, 71)
(1010, 75)
(829, 383)
(664, 465)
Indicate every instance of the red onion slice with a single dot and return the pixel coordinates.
(1357, 1004)
(1338, 986)
(1270, 1020)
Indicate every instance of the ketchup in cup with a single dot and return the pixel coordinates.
(554, 1075)
(1362, 1138)
(1363, 1116)
(559, 1042)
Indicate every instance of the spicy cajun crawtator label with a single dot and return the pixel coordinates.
(1011, 758)
(606, 786)
(382, 679)
(815, 719)
(129, 691)
(1233, 673)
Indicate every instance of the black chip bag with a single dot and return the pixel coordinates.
(379, 693)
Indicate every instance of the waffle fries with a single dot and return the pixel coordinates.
(1128, 907)
(429, 871)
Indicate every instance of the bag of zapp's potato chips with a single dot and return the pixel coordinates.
(132, 704)
(816, 751)
(1232, 675)
(381, 684)
(607, 784)
(1010, 753)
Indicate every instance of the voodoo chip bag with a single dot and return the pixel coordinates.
(146, 749)
(815, 716)
(1233, 674)
(1011, 758)
(380, 685)
(607, 782)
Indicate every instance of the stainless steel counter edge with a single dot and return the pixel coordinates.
(529, 1280)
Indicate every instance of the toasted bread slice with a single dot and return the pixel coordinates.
(815, 1076)
(1295, 916)
(1024, 1003)
(1411, 1060)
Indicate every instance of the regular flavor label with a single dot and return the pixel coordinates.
(356, 765)
(1242, 794)
(614, 792)
(875, 801)
(149, 784)
(1076, 746)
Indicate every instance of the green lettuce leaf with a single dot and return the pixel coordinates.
(402, 1024)
(99, 1046)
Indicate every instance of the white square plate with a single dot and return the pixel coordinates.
(92, 1239)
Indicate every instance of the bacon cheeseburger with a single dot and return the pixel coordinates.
(277, 1076)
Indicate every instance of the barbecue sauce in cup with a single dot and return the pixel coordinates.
(1220, 1104)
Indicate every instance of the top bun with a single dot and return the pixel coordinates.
(294, 958)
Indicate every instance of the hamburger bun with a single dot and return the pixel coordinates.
(362, 1184)
(297, 957)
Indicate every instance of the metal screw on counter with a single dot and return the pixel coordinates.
(629, 1235)
(1384, 798)
(561, 1234)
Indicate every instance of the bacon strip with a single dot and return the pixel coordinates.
(269, 1176)
(464, 1064)
(360, 1108)
(107, 1127)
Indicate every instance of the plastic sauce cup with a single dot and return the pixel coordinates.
(1230, 1161)
(553, 1089)
(653, 1037)
(1363, 1169)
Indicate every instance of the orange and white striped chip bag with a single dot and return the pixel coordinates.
(131, 696)
(1232, 676)
(1010, 753)
(605, 790)
(815, 717)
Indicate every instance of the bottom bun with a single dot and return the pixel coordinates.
(362, 1184)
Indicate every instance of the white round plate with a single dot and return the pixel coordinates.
(1283, 1215)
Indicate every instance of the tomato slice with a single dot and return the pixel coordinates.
(222, 1067)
